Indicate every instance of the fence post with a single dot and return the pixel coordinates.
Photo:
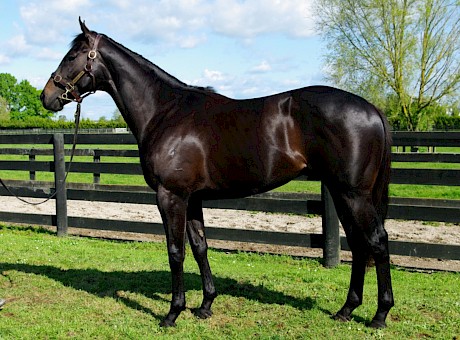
(330, 220)
(96, 159)
(32, 176)
(59, 181)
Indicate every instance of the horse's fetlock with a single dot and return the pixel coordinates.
(353, 300)
(386, 303)
(178, 306)
(210, 295)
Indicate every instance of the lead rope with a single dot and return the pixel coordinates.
(74, 144)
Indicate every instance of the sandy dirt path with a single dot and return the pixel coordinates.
(414, 231)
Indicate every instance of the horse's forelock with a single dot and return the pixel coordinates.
(78, 38)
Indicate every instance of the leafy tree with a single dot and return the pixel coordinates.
(403, 53)
(118, 119)
(23, 99)
(4, 109)
(7, 88)
(102, 120)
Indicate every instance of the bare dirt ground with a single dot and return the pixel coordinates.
(414, 231)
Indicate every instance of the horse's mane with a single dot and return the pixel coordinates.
(145, 63)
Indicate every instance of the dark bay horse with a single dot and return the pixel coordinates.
(197, 145)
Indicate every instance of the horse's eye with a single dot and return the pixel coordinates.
(71, 57)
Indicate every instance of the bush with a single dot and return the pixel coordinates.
(43, 123)
(445, 122)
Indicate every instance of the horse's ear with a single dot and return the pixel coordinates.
(83, 27)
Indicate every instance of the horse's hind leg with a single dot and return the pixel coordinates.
(355, 292)
(197, 239)
(366, 235)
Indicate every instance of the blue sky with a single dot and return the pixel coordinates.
(243, 48)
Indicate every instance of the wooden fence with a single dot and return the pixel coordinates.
(329, 240)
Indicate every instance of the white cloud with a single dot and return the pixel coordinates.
(38, 82)
(213, 75)
(181, 23)
(184, 23)
(264, 66)
(15, 47)
(246, 19)
(50, 22)
(221, 82)
(48, 54)
(4, 59)
(245, 85)
(191, 41)
(18, 46)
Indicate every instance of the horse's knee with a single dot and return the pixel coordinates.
(378, 243)
(201, 249)
(176, 255)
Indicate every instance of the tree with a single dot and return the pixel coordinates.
(7, 86)
(405, 50)
(102, 119)
(23, 99)
(118, 119)
(4, 109)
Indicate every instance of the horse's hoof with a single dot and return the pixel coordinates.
(167, 323)
(377, 324)
(341, 318)
(203, 313)
(2, 303)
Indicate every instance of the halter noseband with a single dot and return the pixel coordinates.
(70, 86)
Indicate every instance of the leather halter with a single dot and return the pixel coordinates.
(69, 87)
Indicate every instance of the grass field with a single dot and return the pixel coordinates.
(59, 288)
(396, 190)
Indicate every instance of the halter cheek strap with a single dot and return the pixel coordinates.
(69, 87)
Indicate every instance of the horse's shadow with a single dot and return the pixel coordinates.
(151, 284)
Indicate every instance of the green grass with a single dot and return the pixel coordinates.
(97, 289)
(440, 149)
(396, 190)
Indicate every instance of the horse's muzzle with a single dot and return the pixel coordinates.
(50, 99)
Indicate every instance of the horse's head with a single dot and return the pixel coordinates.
(77, 74)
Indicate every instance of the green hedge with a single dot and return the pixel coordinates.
(40, 123)
(440, 122)
(444, 122)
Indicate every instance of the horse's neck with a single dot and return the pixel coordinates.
(134, 91)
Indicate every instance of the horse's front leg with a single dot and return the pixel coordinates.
(197, 239)
(173, 212)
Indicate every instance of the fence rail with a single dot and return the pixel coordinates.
(420, 209)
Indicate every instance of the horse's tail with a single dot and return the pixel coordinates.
(380, 192)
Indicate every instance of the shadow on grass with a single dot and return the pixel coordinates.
(151, 284)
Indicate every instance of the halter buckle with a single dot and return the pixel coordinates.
(69, 87)
(65, 96)
(57, 78)
(92, 54)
